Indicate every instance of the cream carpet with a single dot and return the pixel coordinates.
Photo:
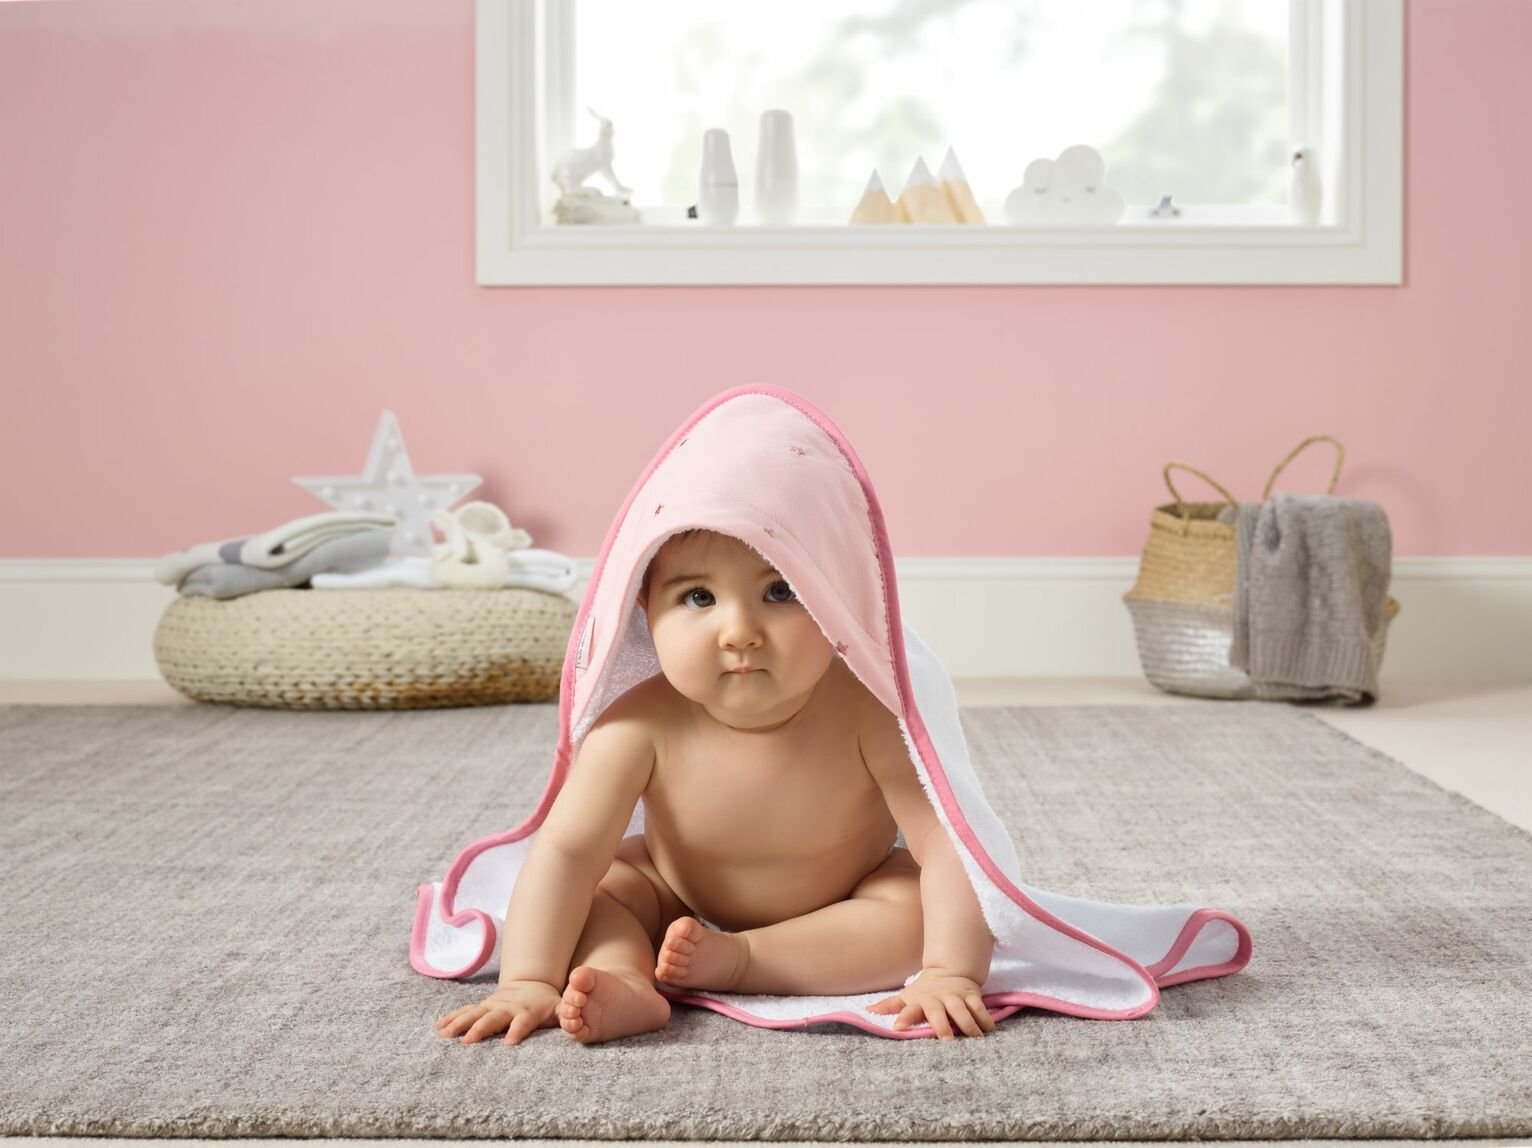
(207, 909)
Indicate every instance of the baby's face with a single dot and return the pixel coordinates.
(714, 604)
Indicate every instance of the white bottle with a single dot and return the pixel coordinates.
(776, 170)
(1304, 193)
(718, 182)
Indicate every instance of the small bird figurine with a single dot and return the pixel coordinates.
(1303, 195)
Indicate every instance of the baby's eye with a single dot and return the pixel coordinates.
(790, 592)
(685, 598)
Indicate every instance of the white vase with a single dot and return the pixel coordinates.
(776, 170)
(718, 182)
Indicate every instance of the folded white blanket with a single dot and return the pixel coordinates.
(529, 568)
(276, 548)
(281, 545)
(231, 578)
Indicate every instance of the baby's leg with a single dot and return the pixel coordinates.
(611, 991)
(869, 942)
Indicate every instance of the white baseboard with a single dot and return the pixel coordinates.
(1460, 620)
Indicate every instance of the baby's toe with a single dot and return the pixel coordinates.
(685, 932)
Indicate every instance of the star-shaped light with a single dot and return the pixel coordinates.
(388, 485)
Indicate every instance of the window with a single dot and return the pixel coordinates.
(1200, 99)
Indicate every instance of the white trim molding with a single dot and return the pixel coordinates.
(1463, 620)
(1348, 102)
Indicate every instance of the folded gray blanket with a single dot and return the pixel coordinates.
(1313, 574)
(229, 577)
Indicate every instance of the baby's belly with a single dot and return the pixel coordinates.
(753, 887)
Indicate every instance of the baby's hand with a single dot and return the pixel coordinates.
(516, 1008)
(939, 995)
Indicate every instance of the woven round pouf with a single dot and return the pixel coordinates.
(394, 648)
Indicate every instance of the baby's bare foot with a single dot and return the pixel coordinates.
(600, 1005)
(693, 956)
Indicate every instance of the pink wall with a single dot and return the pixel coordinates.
(231, 234)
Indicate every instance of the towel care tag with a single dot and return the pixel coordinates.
(582, 655)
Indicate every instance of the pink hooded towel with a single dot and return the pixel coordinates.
(764, 465)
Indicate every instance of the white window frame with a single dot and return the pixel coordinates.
(1347, 100)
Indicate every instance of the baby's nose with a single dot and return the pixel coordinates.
(739, 632)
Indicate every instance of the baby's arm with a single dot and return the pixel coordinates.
(957, 938)
(958, 949)
(552, 896)
(958, 944)
(574, 848)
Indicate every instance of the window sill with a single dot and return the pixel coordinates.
(1165, 252)
(1269, 215)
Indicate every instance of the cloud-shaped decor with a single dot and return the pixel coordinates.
(1070, 190)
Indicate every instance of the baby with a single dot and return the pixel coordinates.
(773, 785)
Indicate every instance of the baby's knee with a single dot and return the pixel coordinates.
(896, 882)
(626, 885)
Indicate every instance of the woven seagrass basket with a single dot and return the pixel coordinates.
(1183, 600)
(394, 648)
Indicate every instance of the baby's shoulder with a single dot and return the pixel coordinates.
(651, 705)
(853, 699)
(876, 727)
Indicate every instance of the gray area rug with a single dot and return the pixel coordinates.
(207, 914)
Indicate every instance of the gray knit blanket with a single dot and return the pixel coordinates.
(1313, 574)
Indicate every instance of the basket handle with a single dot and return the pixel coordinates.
(1176, 494)
(1340, 459)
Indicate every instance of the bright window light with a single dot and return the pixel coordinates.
(1181, 97)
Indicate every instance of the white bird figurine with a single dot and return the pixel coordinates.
(1303, 194)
